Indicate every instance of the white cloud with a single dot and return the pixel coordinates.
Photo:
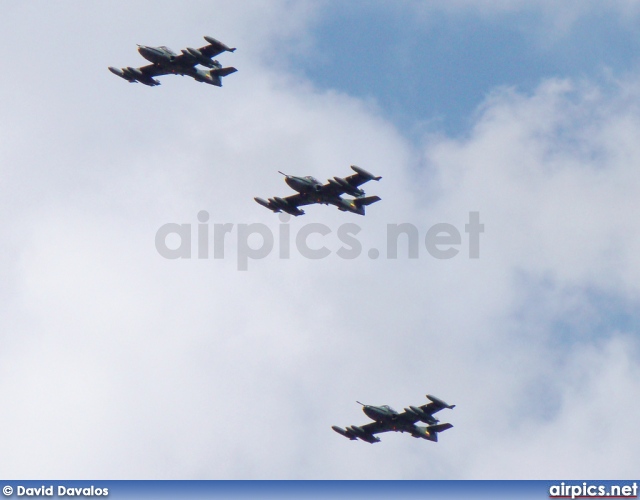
(552, 175)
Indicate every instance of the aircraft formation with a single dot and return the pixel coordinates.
(309, 191)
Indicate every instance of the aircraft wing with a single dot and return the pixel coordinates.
(410, 417)
(299, 200)
(365, 432)
(431, 408)
(290, 204)
(152, 70)
(202, 55)
(376, 428)
(425, 412)
(143, 74)
(358, 179)
(350, 184)
(215, 47)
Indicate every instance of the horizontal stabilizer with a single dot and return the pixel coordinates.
(222, 71)
(430, 432)
(361, 202)
(439, 428)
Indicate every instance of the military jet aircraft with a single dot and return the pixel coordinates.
(165, 61)
(311, 190)
(387, 419)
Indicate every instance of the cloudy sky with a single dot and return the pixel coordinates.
(117, 363)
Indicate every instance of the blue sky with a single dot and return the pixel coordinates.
(430, 72)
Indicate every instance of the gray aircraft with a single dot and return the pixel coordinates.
(165, 61)
(311, 190)
(387, 419)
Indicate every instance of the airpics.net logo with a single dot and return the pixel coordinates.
(586, 490)
(257, 241)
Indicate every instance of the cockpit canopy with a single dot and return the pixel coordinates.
(167, 50)
(388, 408)
(312, 179)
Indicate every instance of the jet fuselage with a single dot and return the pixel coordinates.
(380, 413)
(312, 187)
(386, 414)
(303, 185)
(166, 58)
(157, 55)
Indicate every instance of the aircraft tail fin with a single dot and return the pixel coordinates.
(430, 432)
(433, 431)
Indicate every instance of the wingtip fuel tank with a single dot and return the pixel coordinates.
(121, 74)
(364, 173)
(440, 402)
(218, 43)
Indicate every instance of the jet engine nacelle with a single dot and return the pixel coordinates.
(135, 72)
(345, 205)
(360, 433)
(420, 432)
(281, 201)
(422, 416)
(348, 188)
(200, 57)
(427, 433)
(282, 204)
(195, 53)
(188, 55)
